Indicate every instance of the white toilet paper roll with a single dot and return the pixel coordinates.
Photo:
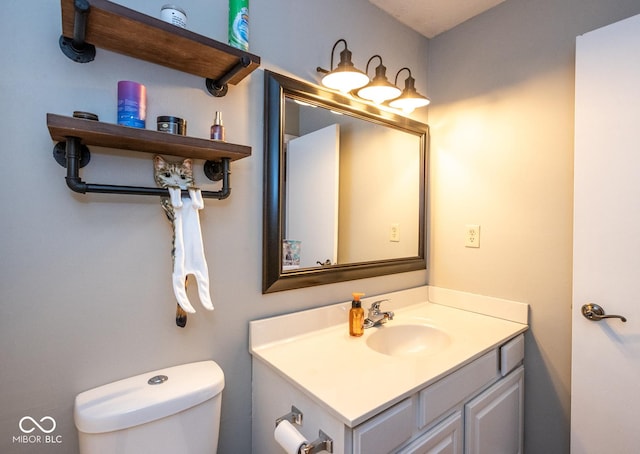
(288, 437)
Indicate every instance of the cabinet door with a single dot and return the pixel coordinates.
(386, 431)
(493, 419)
(445, 438)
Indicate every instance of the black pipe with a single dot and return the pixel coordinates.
(243, 63)
(226, 187)
(138, 190)
(76, 48)
(72, 152)
(218, 88)
(75, 183)
(80, 23)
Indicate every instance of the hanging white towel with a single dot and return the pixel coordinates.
(189, 251)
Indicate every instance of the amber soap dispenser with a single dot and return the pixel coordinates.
(356, 316)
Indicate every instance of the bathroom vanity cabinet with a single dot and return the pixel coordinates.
(474, 410)
(430, 402)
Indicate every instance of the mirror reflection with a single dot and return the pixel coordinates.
(352, 189)
(344, 188)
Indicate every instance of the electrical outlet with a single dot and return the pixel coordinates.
(472, 235)
(394, 234)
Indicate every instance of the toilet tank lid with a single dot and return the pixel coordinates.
(133, 401)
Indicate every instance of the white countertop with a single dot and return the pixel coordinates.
(314, 352)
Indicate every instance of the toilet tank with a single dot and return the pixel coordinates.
(170, 410)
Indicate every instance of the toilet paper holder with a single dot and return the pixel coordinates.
(322, 443)
(294, 417)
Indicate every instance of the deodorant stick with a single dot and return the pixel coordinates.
(132, 104)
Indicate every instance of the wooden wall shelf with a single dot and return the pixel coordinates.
(119, 29)
(74, 134)
(90, 23)
(144, 140)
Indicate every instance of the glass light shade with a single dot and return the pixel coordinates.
(345, 80)
(409, 103)
(346, 76)
(410, 99)
(379, 89)
(379, 93)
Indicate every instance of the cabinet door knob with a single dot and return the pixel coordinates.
(596, 313)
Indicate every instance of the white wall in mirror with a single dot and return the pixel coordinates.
(379, 189)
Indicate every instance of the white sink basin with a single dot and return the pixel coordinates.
(408, 339)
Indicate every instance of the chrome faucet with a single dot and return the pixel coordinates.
(376, 317)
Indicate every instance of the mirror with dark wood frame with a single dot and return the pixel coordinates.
(344, 187)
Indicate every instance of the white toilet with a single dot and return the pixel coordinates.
(173, 410)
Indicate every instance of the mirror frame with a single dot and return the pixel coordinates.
(277, 87)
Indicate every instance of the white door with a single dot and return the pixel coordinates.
(605, 390)
(312, 195)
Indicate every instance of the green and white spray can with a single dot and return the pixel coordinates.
(239, 24)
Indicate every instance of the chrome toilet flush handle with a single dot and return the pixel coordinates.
(157, 380)
(596, 313)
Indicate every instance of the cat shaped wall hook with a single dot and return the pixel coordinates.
(187, 251)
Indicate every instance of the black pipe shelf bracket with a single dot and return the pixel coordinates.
(219, 88)
(76, 48)
(73, 155)
(73, 135)
(87, 24)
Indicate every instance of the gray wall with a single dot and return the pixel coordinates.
(85, 289)
(502, 90)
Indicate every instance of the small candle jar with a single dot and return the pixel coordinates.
(174, 15)
(172, 125)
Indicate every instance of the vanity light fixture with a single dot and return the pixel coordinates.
(346, 76)
(410, 99)
(379, 89)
